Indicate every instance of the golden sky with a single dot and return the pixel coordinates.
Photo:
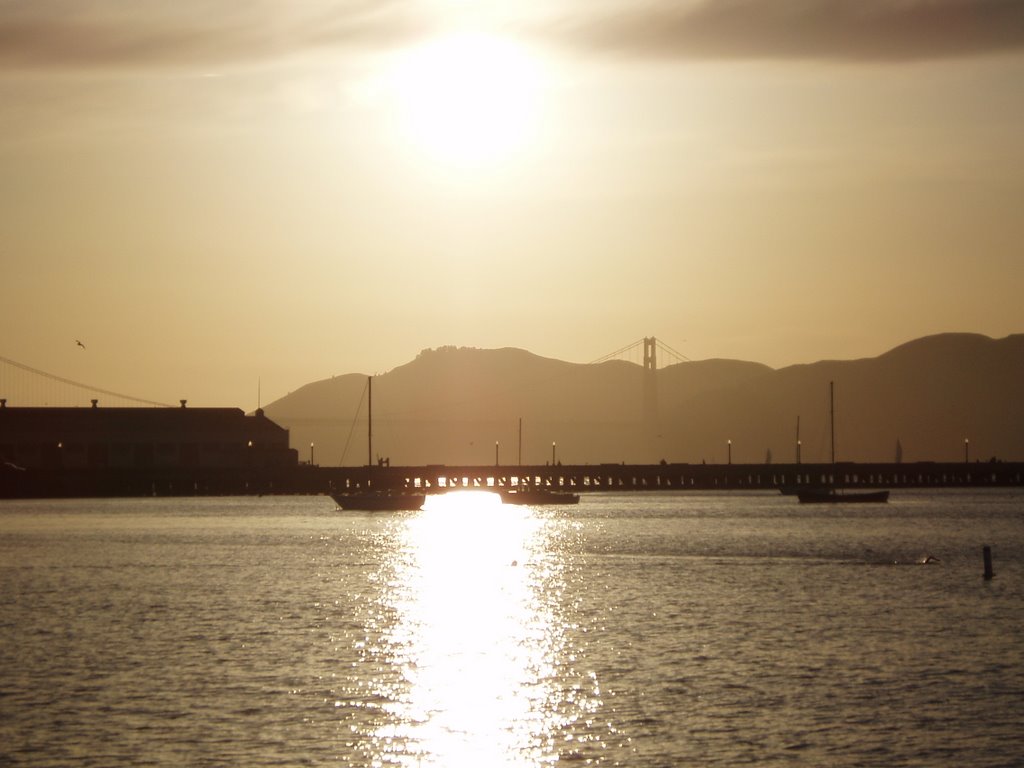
(211, 194)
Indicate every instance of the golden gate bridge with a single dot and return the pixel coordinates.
(645, 351)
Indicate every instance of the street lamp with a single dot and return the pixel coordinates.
(496, 462)
(311, 462)
(797, 451)
(967, 451)
(729, 444)
(552, 453)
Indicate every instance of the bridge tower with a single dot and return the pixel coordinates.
(649, 418)
(650, 384)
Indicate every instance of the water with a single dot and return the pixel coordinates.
(639, 630)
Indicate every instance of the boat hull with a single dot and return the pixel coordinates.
(379, 502)
(535, 496)
(823, 496)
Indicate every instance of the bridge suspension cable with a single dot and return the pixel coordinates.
(88, 388)
(635, 352)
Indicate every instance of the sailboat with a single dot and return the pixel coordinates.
(831, 495)
(527, 494)
(382, 500)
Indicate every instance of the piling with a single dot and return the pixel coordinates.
(986, 552)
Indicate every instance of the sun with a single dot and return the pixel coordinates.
(467, 99)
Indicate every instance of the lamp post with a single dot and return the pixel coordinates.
(552, 453)
(797, 451)
(496, 462)
(311, 462)
(729, 446)
(967, 451)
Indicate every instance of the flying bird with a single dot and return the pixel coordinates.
(79, 343)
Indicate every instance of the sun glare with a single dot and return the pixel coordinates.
(474, 636)
(467, 99)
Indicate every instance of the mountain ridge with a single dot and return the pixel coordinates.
(464, 405)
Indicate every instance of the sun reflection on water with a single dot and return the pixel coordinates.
(476, 638)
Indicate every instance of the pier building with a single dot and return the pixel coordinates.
(140, 438)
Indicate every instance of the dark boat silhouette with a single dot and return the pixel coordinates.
(527, 495)
(831, 494)
(377, 500)
(839, 496)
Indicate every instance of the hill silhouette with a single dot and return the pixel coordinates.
(453, 405)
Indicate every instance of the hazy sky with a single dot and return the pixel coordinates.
(210, 194)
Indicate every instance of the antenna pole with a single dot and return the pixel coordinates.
(832, 417)
(369, 421)
(798, 439)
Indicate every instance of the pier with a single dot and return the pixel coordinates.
(84, 482)
(680, 477)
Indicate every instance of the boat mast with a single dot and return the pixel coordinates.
(369, 421)
(520, 441)
(832, 417)
(798, 439)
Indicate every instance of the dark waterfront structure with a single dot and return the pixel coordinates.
(95, 452)
(138, 451)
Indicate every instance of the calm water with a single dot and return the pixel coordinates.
(639, 630)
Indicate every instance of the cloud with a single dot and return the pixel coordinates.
(868, 30)
(73, 34)
(192, 33)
